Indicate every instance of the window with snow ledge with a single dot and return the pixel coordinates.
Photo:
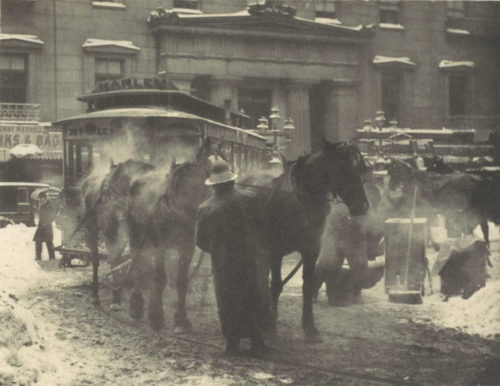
(326, 10)
(187, 4)
(108, 4)
(390, 14)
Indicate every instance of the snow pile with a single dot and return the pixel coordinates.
(18, 268)
(26, 355)
(480, 314)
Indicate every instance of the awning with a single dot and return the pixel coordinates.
(456, 65)
(393, 62)
(32, 40)
(46, 156)
(126, 45)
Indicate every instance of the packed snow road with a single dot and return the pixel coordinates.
(52, 335)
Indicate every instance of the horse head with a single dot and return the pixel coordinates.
(121, 175)
(345, 170)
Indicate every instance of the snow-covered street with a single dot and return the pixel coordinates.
(52, 335)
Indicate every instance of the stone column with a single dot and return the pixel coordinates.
(224, 89)
(298, 110)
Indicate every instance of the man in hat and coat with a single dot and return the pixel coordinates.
(44, 233)
(226, 229)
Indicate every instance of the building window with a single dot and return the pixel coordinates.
(389, 12)
(187, 4)
(457, 94)
(326, 9)
(455, 9)
(108, 69)
(13, 79)
(391, 95)
(255, 102)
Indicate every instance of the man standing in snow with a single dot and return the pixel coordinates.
(44, 233)
(225, 229)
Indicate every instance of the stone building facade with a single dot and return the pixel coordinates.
(327, 64)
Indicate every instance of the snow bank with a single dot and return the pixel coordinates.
(18, 268)
(480, 314)
(28, 354)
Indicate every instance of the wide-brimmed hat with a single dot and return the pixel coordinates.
(221, 172)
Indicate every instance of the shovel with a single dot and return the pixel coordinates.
(403, 294)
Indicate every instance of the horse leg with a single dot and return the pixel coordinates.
(181, 320)
(92, 243)
(156, 315)
(309, 260)
(486, 231)
(358, 263)
(136, 302)
(276, 285)
(115, 248)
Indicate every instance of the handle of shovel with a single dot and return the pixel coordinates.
(410, 236)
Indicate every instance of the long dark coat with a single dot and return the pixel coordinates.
(47, 215)
(226, 230)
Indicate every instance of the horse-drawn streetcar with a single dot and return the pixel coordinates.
(152, 122)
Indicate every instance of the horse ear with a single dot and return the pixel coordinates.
(111, 163)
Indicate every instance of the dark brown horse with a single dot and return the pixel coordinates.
(162, 215)
(292, 212)
(105, 208)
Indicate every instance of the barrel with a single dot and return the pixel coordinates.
(397, 260)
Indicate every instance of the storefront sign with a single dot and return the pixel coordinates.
(13, 135)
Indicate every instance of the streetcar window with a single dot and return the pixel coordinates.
(79, 161)
(23, 196)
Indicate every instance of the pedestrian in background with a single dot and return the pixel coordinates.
(44, 234)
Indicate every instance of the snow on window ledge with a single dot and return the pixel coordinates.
(456, 64)
(456, 31)
(327, 20)
(108, 4)
(187, 11)
(398, 27)
(381, 60)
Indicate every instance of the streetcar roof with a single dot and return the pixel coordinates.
(148, 112)
(25, 184)
(180, 95)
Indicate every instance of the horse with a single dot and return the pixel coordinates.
(459, 196)
(162, 215)
(291, 213)
(104, 209)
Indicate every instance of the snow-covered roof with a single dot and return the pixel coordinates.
(108, 4)
(327, 20)
(388, 60)
(92, 43)
(391, 26)
(33, 39)
(456, 64)
(456, 31)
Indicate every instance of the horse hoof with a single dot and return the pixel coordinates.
(156, 321)
(115, 307)
(181, 330)
(313, 339)
(136, 309)
(311, 332)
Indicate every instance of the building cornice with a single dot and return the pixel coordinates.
(276, 22)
